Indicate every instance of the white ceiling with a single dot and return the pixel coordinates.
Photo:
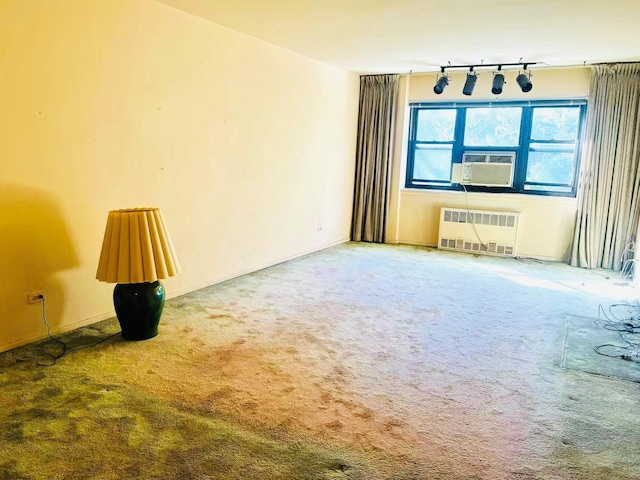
(398, 36)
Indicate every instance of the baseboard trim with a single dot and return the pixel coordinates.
(414, 243)
(240, 273)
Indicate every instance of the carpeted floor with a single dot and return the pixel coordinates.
(359, 362)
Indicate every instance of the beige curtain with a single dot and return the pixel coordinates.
(378, 98)
(610, 183)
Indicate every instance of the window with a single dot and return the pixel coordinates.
(542, 136)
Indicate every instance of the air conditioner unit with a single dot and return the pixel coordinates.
(486, 169)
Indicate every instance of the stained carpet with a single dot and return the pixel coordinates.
(357, 362)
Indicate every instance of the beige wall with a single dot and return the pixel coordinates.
(546, 223)
(247, 148)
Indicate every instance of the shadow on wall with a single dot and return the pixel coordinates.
(34, 245)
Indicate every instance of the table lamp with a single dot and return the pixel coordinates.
(136, 253)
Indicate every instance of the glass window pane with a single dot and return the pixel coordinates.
(548, 188)
(436, 125)
(550, 167)
(493, 127)
(553, 147)
(555, 123)
(432, 163)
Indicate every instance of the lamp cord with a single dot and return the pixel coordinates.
(473, 220)
(52, 358)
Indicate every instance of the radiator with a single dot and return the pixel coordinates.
(478, 231)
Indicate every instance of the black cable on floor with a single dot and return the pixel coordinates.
(53, 357)
(632, 356)
(625, 326)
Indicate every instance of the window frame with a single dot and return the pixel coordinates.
(521, 150)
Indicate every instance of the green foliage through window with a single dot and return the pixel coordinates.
(492, 126)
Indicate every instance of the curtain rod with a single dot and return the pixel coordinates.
(541, 66)
(615, 63)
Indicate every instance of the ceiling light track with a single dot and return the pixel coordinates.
(525, 65)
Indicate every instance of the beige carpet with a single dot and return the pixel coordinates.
(358, 362)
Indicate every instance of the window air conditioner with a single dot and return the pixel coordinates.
(485, 169)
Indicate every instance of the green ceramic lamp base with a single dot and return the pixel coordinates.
(138, 308)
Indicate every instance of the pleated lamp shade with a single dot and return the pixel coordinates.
(136, 248)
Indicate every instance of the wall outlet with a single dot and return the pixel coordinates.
(36, 297)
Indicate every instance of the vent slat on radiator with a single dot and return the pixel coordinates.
(478, 231)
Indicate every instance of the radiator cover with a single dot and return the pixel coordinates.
(478, 231)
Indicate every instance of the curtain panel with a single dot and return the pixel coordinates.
(376, 125)
(609, 192)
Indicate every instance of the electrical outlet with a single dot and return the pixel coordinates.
(36, 297)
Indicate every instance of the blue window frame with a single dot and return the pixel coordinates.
(544, 136)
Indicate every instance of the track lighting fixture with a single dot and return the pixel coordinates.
(498, 82)
(523, 79)
(442, 82)
(470, 83)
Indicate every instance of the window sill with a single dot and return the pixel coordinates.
(512, 197)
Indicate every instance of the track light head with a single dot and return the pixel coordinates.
(470, 83)
(498, 81)
(524, 81)
(442, 82)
